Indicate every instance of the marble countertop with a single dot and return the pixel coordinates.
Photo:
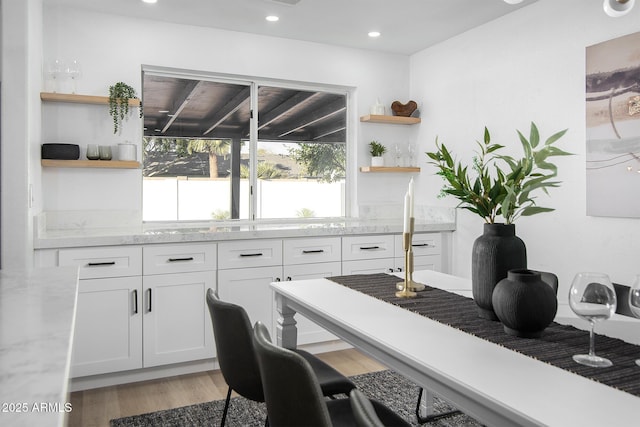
(37, 310)
(222, 231)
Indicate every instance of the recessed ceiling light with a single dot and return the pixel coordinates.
(150, 1)
(272, 18)
(374, 34)
(163, 111)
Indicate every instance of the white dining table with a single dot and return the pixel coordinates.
(492, 384)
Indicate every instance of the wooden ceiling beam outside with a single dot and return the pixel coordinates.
(183, 99)
(231, 107)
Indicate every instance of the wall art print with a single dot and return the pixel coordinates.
(613, 127)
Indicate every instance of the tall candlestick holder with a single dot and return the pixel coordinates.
(408, 288)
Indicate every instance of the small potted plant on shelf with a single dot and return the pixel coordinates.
(119, 96)
(377, 150)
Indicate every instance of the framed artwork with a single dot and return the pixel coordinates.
(613, 127)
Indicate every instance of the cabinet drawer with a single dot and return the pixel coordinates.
(255, 253)
(367, 247)
(423, 244)
(186, 258)
(97, 263)
(305, 251)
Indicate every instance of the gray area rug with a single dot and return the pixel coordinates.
(386, 386)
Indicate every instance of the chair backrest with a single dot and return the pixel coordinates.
(363, 410)
(291, 389)
(234, 343)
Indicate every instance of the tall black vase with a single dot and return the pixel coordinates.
(496, 252)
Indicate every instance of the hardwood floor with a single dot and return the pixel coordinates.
(94, 408)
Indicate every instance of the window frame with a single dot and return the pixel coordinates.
(254, 83)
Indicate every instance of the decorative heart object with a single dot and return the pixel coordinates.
(404, 110)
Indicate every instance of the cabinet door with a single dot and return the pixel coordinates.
(309, 332)
(368, 247)
(250, 289)
(108, 326)
(177, 325)
(368, 266)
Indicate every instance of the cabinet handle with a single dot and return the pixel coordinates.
(255, 254)
(399, 269)
(391, 270)
(419, 244)
(314, 251)
(149, 300)
(288, 278)
(97, 264)
(181, 259)
(277, 279)
(135, 301)
(369, 248)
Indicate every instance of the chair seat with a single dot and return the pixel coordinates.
(331, 381)
(341, 414)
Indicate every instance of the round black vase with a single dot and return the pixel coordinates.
(526, 303)
(496, 252)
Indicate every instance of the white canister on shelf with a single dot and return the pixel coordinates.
(127, 151)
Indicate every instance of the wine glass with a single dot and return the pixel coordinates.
(634, 301)
(398, 154)
(73, 71)
(593, 298)
(55, 69)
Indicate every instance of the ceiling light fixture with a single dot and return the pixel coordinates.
(272, 18)
(616, 8)
(513, 1)
(150, 1)
(374, 34)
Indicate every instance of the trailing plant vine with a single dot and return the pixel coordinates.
(119, 96)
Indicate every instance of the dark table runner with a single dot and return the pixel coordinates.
(556, 346)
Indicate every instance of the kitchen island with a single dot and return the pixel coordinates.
(37, 311)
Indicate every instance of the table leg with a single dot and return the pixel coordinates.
(425, 410)
(286, 330)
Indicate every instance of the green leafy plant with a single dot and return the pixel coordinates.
(502, 186)
(119, 96)
(376, 149)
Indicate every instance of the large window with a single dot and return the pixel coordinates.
(220, 148)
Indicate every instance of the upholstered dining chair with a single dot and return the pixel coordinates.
(238, 361)
(293, 395)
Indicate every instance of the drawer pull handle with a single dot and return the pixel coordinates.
(135, 301)
(248, 255)
(313, 251)
(149, 300)
(181, 259)
(98, 264)
(369, 248)
(420, 244)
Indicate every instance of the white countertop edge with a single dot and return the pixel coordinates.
(136, 236)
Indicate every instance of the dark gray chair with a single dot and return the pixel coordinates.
(363, 410)
(238, 361)
(293, 395)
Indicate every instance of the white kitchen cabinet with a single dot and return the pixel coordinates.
(108, 326)
(177, 326)
(368, 254)
(249, 288)
(427, 252)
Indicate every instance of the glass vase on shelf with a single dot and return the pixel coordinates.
(73, 71)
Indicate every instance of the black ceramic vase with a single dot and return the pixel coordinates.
(496, 252)
(525, 302)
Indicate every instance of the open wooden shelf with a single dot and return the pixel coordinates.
(103, 164)
(371, 169)
(394, 120)
(81, 99)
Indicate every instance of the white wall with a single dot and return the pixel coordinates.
(112, 48)
(526, 66)
(21, 51)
